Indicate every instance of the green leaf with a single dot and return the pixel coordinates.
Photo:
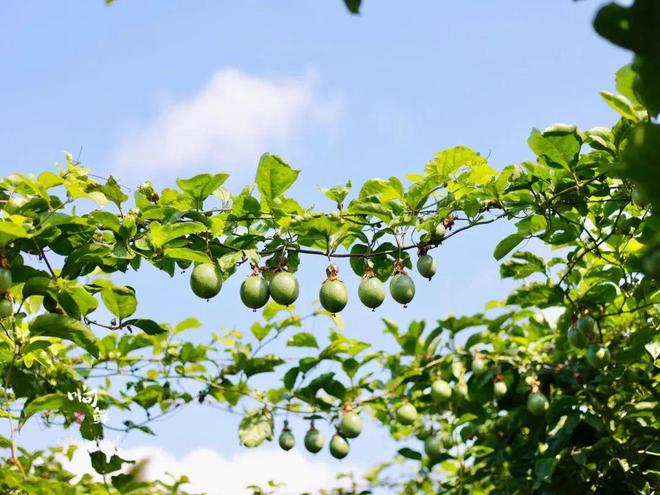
(256, 427)
(64, 327)
(558, 149)
(162, 234)
(120, 300)
(336, 193)
(302, 339)
(505, 246)
(274, 177)
(49, 402)
(522, 265)
(201, 186)
(103, 465)
(621, 105)
(353, 6)
(410, 454)
(149, 327)
(260, 331)
(187, 254)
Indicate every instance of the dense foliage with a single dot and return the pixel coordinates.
(553, 389)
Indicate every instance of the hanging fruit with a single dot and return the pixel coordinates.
(426, 266)
(440, 391)
(254, 290)
(478, 365)
(406, 414)
(286, 440)
(350, 425)
(500, 389)
(314, 439)
(6, 308)
(433, 447)
(598, 356)
(576, 338)
(537, 403)
(586, 324)
(402, 286)
(339, 446)
(284, 288)
(206, 280)
(371, 290)
(5, 280)
(333, 294)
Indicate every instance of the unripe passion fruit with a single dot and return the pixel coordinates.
(478, 366)
(440, 391)
(6, 308)
(5, 280)
(333, 296)
(576, 338)
(640, 198)
(350, 425)
(439, 232)
(284, 288)
(287, 440)
(406, 414)
(426, 266)
(586, 325)
(206, 280)
(598, 356)
(433, 447)
(537, 403)
(339, 446)
(500, 389)
(371, 292)
(314, 440)
(402, 288)
(254, 292)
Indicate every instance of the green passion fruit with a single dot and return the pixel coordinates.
(339, 446)
(586, 324)
(440, 391)
(406, 414)
(434, 447)
(333, 296)
(500, 389)
(598, 356)
(426, 266)
(439, 232)
(5, 280)
(350, 425)
(537, 403)
(402, 288)
(6, 308)
(206, 280)
(287, 440)
(314, 440)
(254, 292)
(478, 366)
(576, 338)
(284, 288)
(371, 292)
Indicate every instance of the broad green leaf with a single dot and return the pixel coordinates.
(558, 149)
(621, 105)
(256, 427)
(103, 465)
(274, 177)
(120, 300)
(162, 234)
(505, 246)
(187, 254)
(302, 339)
(201, 186)
(336, 193)
(64, 327)
(149, 327)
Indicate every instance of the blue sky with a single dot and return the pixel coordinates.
(167, 89)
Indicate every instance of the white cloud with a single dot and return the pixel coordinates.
(211, 473)
(228, 124)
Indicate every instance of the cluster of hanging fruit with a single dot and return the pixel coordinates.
(206, 282)
(582, 334)
(350, 426)
(6, 306)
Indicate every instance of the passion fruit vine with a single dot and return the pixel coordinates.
(333, 294)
